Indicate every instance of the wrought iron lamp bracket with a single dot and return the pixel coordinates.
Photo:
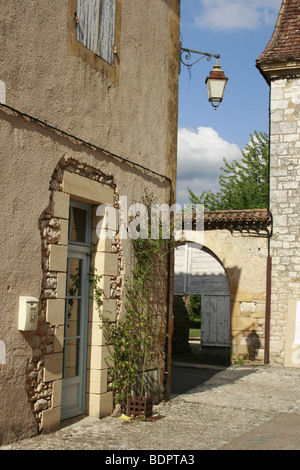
(188, 56)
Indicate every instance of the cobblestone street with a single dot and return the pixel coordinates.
(241, 407)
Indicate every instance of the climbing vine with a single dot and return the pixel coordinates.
(137, 338)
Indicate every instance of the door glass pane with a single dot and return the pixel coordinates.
(71, 358)
(74, 277)
(78, 220)
(73, 320)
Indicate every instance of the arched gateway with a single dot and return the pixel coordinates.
(226, 264)
(199, 272)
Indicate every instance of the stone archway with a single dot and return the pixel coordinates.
(239, 242)
(198, 271)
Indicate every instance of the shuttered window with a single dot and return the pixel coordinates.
(96, 27)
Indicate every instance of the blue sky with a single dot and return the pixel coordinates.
(238, 30)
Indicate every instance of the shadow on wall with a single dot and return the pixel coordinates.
(250, 343)
(245, 342)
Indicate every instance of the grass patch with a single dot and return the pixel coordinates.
(194, 332)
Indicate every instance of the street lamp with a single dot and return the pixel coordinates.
(215, 82)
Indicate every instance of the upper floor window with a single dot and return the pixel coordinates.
(94, 33)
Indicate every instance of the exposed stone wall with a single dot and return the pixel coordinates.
(47, 339)
(284, 206)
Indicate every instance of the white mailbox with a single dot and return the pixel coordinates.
(28, 313)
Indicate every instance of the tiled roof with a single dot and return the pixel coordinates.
(237, 219)
(284, 45)
(250, 220)
(242, 220)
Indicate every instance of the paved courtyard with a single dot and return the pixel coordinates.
(239, 407)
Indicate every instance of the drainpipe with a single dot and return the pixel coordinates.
(269, 259)
(268, 310)
(169, 316)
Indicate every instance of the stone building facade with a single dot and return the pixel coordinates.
(80, 127)
(280, 66)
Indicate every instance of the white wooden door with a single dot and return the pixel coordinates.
(76, 311)
(215, 320)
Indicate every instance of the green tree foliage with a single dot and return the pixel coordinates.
(195, 307)
(243, 185)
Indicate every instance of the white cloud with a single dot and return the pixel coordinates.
(237, 14)
(200, 157)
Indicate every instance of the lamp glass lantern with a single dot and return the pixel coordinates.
(216, 83)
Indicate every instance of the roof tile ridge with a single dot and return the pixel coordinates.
(275, 33)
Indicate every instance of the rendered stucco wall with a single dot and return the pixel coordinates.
(128, 118)
(45, 80)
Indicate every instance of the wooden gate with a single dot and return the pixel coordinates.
(215, 323)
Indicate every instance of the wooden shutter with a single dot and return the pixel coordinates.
(106, 30)
(86, 28)
(96, 27)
